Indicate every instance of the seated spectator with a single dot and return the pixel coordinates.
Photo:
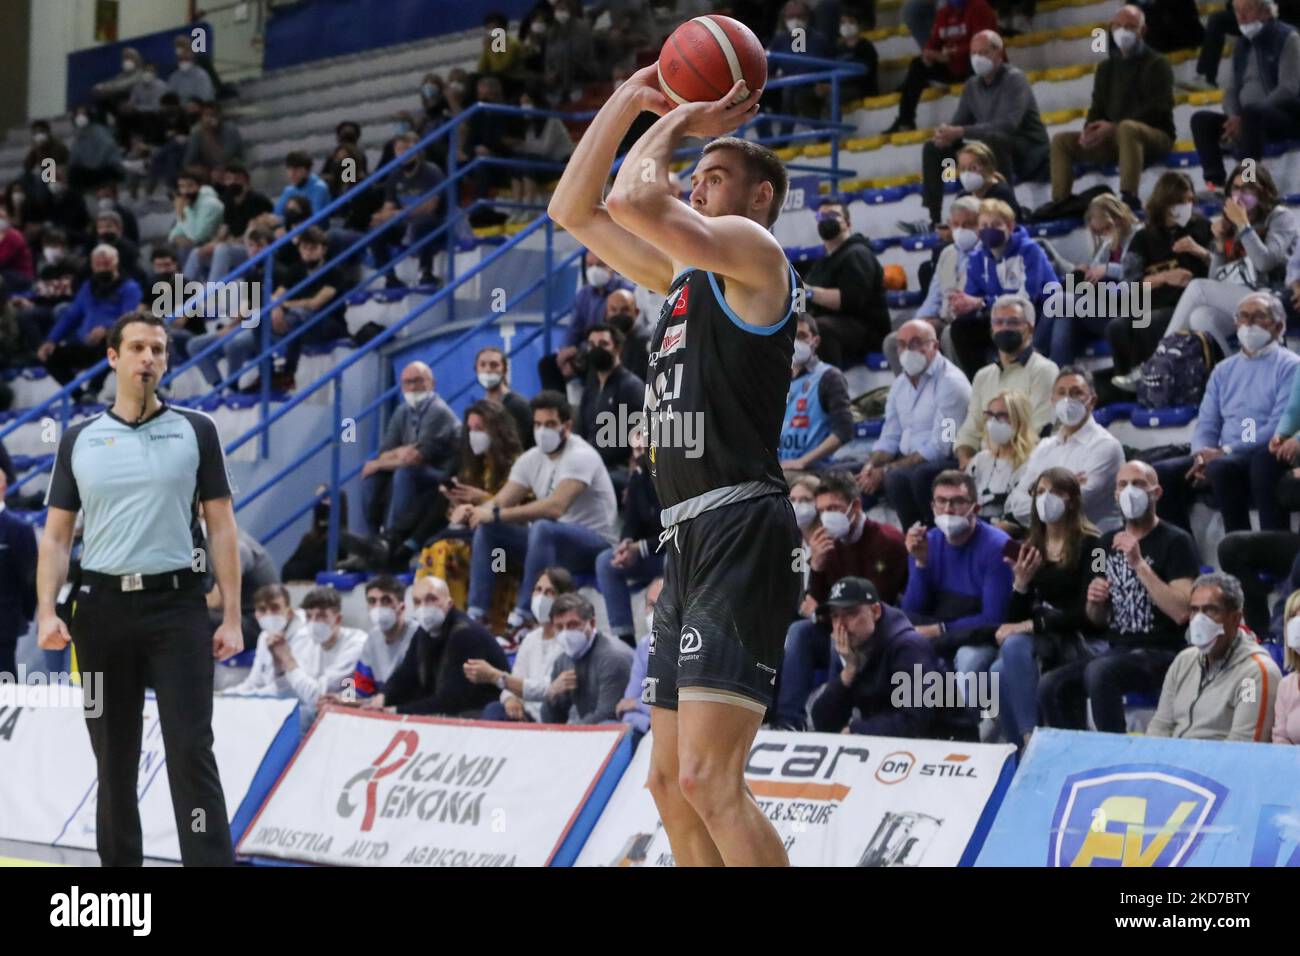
(1020, 367)
(431, 678)
(1142, 602)
(405, 189)
(979, 176)
(66, 209)
(588, 677)
(588, 310)
(388, 639)
(844, 543)
(1079, 445)
(16, 273)
(997, 108)
(312, 554)
(1265, 561)
(79, 336)
(418, 453)
(492, 369)
(803, 499)
(569, 59)
(545, 141)
(1132, 113)
(491, 135)
(45, 145)
(164, 161)
(1008, 439)
(635, 560)
(921, 415)
(854, 48)
(138, 116)
(56, 281)
(107, 199)
(632, 709)
(214, 140)
(610, 396)
(278, 623)
(1224, 686)
(110, 231)
(569, 522)
(524, 686)
(199, 210)
(796, 35)
(1261, 99)
(1007, 260)
(1047, 625)
(255, 240)
(817, 417)
(94, 155)
(874, 643)
(845, 290)
(24, 211)
(242, 206)
(1253, 240)
(1161, 255)
(189, 81)
(1286, 714)
(945, 56)
(433, 103)
(1244, 400)
(302, 182)
(622, 313)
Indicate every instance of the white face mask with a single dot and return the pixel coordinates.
(562, 16)
(952, 526)
(383, 618)
(547, 439)
(1249, 30)
(320, 631)
(1203, 630)
(804, 513)
(52, 255)
(80, 120)
(1000, 433)
(598, 276)
(430, 617)
(1124, 38)
(575, 643)
(1253, 338)
(39, 138)
(273, 623)
(1133, 502)
(185, 65)
(793, 24)
(415, 398)
(1071, 411)
(128, 66)
(489, 380)
(971, 181)
(802, 353)
(982, 65)
(849, 30)
(1182, 213)
(479, 442)
(1050, 507)
(836, 523)
(541, 607)
(965, 239)
(914, 363)
(1293, 633)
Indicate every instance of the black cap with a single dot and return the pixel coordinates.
(850, 592)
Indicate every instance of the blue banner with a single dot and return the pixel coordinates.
(1090, 799)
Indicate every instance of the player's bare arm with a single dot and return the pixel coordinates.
(577, 202)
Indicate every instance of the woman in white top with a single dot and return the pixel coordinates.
(1007, 440)
(524, 688)
(545, 140)
(802, 497)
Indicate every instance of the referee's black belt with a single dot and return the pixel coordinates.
(180, 580)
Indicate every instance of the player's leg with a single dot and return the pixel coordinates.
(687, 834)
(714, 740)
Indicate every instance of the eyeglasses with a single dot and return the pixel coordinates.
(948, 504)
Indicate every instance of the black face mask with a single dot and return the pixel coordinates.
(600, 359)
(1008, 341)
(292, 217)
(828, 229)
(102, 280)
(109, 238)
(621, 321)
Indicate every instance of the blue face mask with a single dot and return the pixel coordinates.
(992, 237)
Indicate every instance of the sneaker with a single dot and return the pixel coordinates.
(392, 282)
(1197, 84)
(429, 280)
(1127, 383)
(917, 227)
(901, 125)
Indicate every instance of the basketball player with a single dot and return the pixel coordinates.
(720, 360)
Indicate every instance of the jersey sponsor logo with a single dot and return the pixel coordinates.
(100, 442)
(679, 308)
(691, 641)
(156, 437)
(674, 340)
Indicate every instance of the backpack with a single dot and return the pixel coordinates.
(1176, 374)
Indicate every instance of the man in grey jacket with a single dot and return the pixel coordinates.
(588, 677)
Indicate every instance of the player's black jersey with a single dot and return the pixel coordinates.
(715, 392)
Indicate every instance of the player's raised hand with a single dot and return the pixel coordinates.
(643, 86)
(723, 116)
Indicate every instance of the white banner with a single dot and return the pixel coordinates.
(48, 784)
(371, 789)
(835, 799)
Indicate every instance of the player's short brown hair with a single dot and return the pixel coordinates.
(762, 165)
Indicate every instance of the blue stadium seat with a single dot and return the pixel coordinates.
(871, 428)
(876, 362)
(1108, 414)
(906, 299)
(1162, 417)
(1277, 652)
(406, 577)
(1053, 227)
(242, 659)
(1097, 348)
(1141, 700)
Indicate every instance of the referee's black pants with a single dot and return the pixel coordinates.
(161, 639)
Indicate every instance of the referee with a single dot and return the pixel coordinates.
(138, 471)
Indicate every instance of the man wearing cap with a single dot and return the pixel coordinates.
(880, 670)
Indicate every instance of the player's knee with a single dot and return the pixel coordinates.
(709, 791)
(662, 782)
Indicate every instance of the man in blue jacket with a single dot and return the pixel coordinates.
(17, 580)
(879, 657)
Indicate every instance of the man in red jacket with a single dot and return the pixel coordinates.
(946, 55)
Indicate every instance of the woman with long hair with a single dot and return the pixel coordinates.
(1008, 437)
(1286, 711)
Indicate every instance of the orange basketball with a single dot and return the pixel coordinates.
(706, 56)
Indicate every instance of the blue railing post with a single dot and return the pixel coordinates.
(336, 451)
(452, 203)
(268, 362)
(546, 287)
(835, 118)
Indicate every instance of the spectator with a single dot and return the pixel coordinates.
(570, 56)
(277, 624)
(635, 560)
(94, 156)
(1019, 366)
(1253, 240)
(316, 288)
(843, 543)
(492, 369)
(106, 200)
(199, 210)
(1160, 255)
(845, 290)
(523, 688)
(803, 499)
(54, 286)
(1007, 260)
(588, 310)
(611, 396)
(256, 570)
(502, 56)
(1264, 561)
(979, 176)
(407, 189)
(347, 164)
(433, 104)
(431, 677)
(918, 16)
(312, 554)
(78, 338)
(1245, 397)
(66, 209)
(1261, 100)
(489, 135)
(418, 453)
(1009, 438)
(255, 241)
(215, 141)
(225, 252)
(945, 56)
(545, 141)
(795, 37)
(1286, 715)
(1047, 624)
(110, 231)
(569, 523)
(1132, 113)
(165, 160)
(45, 145)
(874, 644)
(632, 709)
(1224, 686)
(623, 313)
(588, 677)
(17, 581)
(921, 415)
(189, 81)
(302, 182)
(998, 108)
(16, 273)
(138, 116)
(817, 417)
(1142, 601)
(388, 639)
(853, 48)
(25, 209)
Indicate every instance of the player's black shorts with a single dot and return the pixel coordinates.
(731, 589)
